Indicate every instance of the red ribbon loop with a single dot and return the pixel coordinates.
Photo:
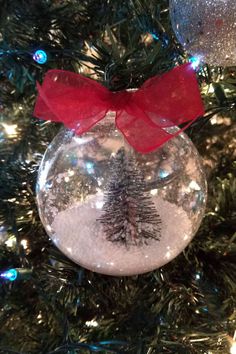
(142, 116)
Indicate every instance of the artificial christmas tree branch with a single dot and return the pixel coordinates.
(188, 306)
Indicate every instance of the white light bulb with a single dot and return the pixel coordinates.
(233, 348)
(10, 129)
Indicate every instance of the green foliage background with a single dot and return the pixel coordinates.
(186, 307)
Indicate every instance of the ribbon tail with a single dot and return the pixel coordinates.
(142, 134)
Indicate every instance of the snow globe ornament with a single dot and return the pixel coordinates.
(114, 210)
(107, 196)
(206, 29)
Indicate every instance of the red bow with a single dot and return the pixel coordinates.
(142, 116)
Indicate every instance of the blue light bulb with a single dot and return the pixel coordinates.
(90, 167)
(195, 61)
(10, 275)
(154, 36)
(40, 56)
(163, 173)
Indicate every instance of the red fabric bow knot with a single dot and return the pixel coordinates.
(119, 100)
(142, 116)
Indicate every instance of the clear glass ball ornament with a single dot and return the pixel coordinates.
(115, 211)
(206, 29)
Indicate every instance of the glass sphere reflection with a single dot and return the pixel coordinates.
(87, 185)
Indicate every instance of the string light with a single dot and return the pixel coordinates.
(16, 273)
(24, 244)
(10, 275)
(162, 37)
(155, 36)
(233, 346)
(195, 61)
(90, 167)
(92, 323)
(11, 242)
(40, 56)
(10, 129)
